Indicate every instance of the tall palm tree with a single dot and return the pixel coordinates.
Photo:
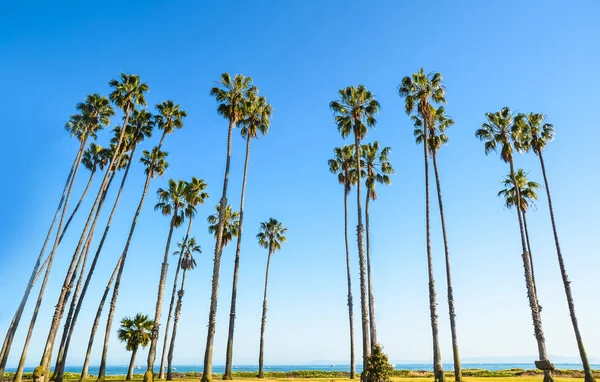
(231, 227)
(420, 90)
(171, 201)
(344, 164)
(231, 94)
(170, 117)
(186, 253)
(140, 127)
(436, 138)
(528, 197)
(354, 113)
(271, 236)
(502, 130)
(94, 115)
(194, 195)
(378, 170)
(155, 164)
(135, 332)
(257, 120)
(540, 133)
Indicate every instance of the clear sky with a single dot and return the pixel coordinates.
(539, 56)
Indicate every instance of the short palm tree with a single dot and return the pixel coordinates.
(231, 226)
(539, 133)
(436, 139)
(257, 120)
(135, 332)
(186, 253)
(231, 93)
(501, 131)
(343, 165)
(271, 236)
(420, 92)
(354, 113)
(378, 170)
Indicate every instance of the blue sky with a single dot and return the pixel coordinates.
(531, 56)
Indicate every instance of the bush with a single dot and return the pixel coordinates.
(378, 368)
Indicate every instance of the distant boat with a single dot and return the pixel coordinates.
(174, 368)
(137, 366)
(332, 365)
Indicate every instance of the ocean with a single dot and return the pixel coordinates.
(219, 369)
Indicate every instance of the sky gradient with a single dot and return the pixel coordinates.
(531, 56)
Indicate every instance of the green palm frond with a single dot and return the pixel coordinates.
(231, 95)
(527, 190)
(154, 162)
(232, 224)
(170, 116)
(355, 111)
(136, 331)
(271, 235)
(377, 166)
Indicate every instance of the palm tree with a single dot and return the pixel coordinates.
(355, 113)
(94, 115)
(186, 253)
(135, 332)
(194, 195)
(436, 138)
(171, 201)
(231, 227)
(170, 117)
(257, 119)
(502, 130)
(231, 95)
(539, 133)
(271, 236)
(155, 164)
(528, 198)
(344, 164)
(378, 170)
(419, 91)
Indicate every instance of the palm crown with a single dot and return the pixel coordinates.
(377, 166)
(231, 228)
(344, 165)
(436, 134)
(136, 331)
(187, 248)
(94, 115)
(172, 201)
(231, 93)
(194, 195)
(420, 90)
(154, 162)
(257, 116)
(355, 111)
(526, 188)
(535, 131)
(502, 129)
(169, 117)
(94, 158)
(128, 91)
(139, 128)
(271, 235)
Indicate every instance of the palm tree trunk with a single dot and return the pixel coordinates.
(60, 306)
(455, 354)
(113, 301)
(161, 374)
(236, 268)
(86, 362)
(131, 365)
(264, 321)
(544, 363)
(348, 274)
(71, 317)
(373, 329)
(12, 329)
(361, 260)
(175, 322)
(438, 370)
(87, 187)
(212, 315)
(159, 300)
(529, 251)
(567, 284)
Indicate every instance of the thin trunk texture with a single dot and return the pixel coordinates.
(263, 321)
(229, 354)
(212, 315)
(175, 322)
(372, 326)
(533, 301)
(348, 274)
(567, 284)
(131, 364)
(529, 251)
(455, 353)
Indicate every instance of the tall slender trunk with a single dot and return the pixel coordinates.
(175, 322)
(364, 299)
(87, 187)
(438, 370)
(455, 353)
(131, 365)
(159, 299)
(229, 355)
(529, 251)
(373, 328)
(544, 363)
(12, 329)
(73, 314)
(212, 315)
(348, 274)
(86, 362)
(19, 373)
(60, 306)
(113, 301)
(567, 284)
(161, 374)
(264, 321)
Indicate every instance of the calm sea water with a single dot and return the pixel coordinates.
(122, 369)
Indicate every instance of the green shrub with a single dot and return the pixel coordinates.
(378, 368)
